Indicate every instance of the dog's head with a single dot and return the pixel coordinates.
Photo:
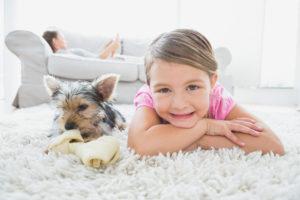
(80, 103)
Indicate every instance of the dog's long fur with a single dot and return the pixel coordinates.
(85, 106)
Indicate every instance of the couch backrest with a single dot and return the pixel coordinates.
(135, 47)
(90, 43)
(94, 44)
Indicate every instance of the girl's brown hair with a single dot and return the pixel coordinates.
(183, 46)
(49, 36)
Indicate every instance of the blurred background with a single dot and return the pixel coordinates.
(262, 35)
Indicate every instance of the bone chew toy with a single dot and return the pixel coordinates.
(97, 153)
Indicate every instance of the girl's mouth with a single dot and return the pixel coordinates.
(182, 116)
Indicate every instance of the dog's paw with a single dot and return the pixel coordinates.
(53, 133)
(122, 126)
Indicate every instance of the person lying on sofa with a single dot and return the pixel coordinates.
(58, 44)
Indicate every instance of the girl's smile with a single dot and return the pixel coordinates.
(182, 116)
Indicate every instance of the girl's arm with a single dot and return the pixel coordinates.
(266, 142)
(147, 136)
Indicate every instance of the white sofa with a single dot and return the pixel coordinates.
(37, 60)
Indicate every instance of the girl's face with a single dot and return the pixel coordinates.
(59, 42)
(180, 92)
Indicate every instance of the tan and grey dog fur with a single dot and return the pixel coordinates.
(85, 106)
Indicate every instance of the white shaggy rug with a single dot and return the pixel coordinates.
(27, 173)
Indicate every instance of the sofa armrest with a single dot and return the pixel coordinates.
(33, 52)
(223, 57)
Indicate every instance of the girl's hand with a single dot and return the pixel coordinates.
(227, 128)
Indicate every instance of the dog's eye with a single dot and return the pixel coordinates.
(82, 107)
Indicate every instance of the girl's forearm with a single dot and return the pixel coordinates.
(165, 138)
(265, 143)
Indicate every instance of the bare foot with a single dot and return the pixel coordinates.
(111, 48)
(115, 45)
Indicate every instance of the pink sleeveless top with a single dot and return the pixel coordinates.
(220, 101)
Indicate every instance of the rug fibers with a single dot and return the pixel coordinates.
(27, 173)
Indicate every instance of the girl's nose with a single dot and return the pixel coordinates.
(179, 102)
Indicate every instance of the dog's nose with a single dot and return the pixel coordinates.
(85, 135)
(70, 125)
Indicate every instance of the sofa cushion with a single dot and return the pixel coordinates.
(76, 67)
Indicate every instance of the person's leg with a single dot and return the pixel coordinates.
(110, 48)
(108, 43)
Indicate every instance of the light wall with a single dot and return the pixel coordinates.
(297, 72)
(238, 25)
(1, 48)
(279, 43)
(129, 18)
(12, 66)
(235, 24)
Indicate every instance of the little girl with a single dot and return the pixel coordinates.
(183, 107)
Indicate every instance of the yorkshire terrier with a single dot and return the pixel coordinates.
(86, 106)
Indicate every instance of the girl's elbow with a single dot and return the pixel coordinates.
(266, 143)
(138, 148)
(276, 147)
(131, 144)
(136, 145)
(279, 149)
(141, 152)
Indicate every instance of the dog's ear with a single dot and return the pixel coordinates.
(106, 85)
(52, 84)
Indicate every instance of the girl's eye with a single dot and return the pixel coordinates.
(164, 90)
(193, 87)
(82, 107)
